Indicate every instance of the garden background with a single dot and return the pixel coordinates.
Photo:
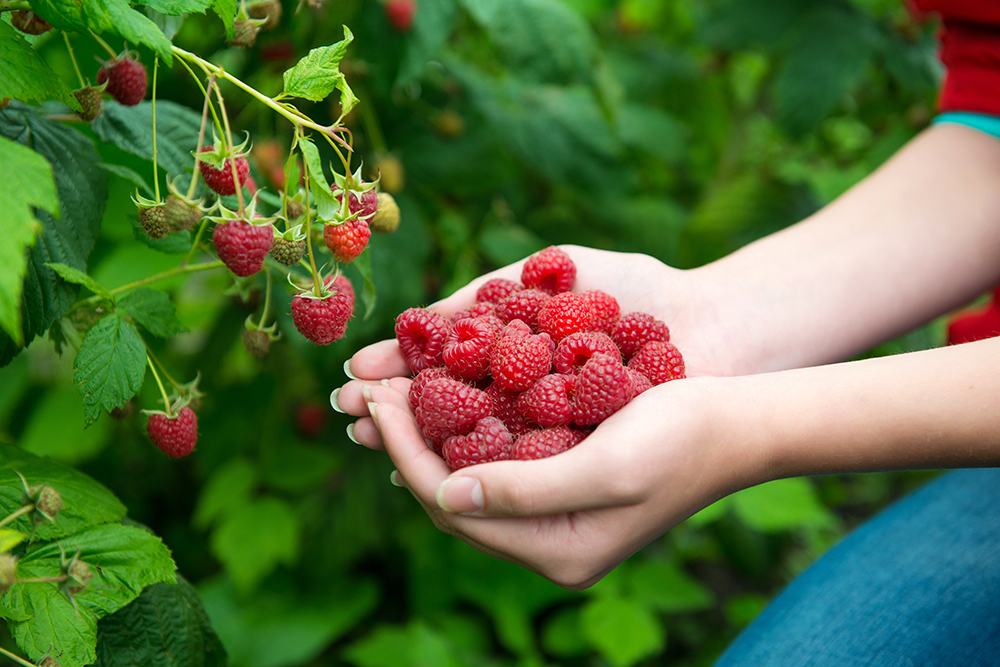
(679, 128)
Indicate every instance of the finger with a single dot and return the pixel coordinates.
(466, 296)
(415, 462)
(377, 361)
(364, 432)
(594, 474)
(353, 398)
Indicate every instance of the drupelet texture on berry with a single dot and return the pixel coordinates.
(449, 407)
(175, 436)
(495, 290)
(605, 309)
(550, 270)
(421, 334)
(519, 359)
(347, 240)
(322, 320)
(469, 346)
(545, 442)
(505, 409)
(126, 79)
(489, 441)
(564, 314)
(242, 247)
(574, 350)
(635, 330)
(425, 376)
(548, 401)
(523, 305)
(659, 361)
(220, 179)
(602, 388)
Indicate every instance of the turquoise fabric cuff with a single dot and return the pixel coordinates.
(977, 121)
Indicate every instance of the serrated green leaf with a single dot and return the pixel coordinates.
(86, 502)
(783, 504)
(10, 538)
(621, 630)
(227, 489)
(130, 128)
(117, 17)
(129, 175)
(63, 14)
(319, 192)
(254, 539)
(177, 7)
(78, 277)
(31, 185)
(154, 311)
(318, 74)
(226, 9)
(82, 189)
(110, 366)
(25, 75)
(667, 588)
(124, 560)
(363, 264)
(165, 626)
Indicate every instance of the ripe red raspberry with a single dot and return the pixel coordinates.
(242, 247)
(126, 80)
(520, 359)
(470, 344)
(547, 403)
(322, 320)
(365, 208)
(605, 308)
(523, 305)
(220, 179)
(475, 311)
(341, 284)
(602, 388)
(659, 361)
(310, 419)
(505, 409)
(574, 350)
(545, 442)
(635, 330)
(347, 240)
(449, 407)
(425, 376)
(421, 334)
(550, 270)
(489, 441)
(638, 383)
(401, 13)
(495, 290)
(564, 314)
(175, 436)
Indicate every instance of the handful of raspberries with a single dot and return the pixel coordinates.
(531, 368)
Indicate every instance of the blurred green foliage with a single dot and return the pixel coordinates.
(679, 128)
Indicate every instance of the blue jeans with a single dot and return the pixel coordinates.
(916, 586)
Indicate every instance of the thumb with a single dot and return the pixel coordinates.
(582, 478)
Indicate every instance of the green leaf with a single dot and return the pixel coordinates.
(415, 645)
(432, 26)
(226, 9)
(81, 187)
(319, 191)
(78, 277)
(667, 588)
(623, 631)
(10, 539)
(117, 17)
(254, 538)
(783, 504)
(129, 175)
(30, 184)
(153, 310)
(228, 488)
(165, 626)
(318, 74)
(25, 75)
(55, 428)
(86, 503)
(110, 366)
(124, 560)
(175, 243)
(562, 635)
(825, 63)
(653, 131)
(63, 14)
(130, 128)
(364, 266)
(177, 7)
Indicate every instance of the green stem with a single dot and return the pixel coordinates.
(103, 44)
(43, 580)
(14, 6)
(232, 161)
(267, 297)
(19, 660)
(176, 271)
(17, 513)
(163, 369)
(296, 118)
(205, 91)
(201, 140)
(159, 383)
(196, 241)
(72, 57)
(312, 259)
(156, 177)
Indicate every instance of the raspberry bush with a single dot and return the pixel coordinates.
(427, 143)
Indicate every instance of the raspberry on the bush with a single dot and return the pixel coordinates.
(550, 270)
(635, 330)
(421, 334)
(489, 441)
(659, 361)
(242, 247)
(322, 320)
(175, 435)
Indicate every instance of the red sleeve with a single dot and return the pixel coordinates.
(970, 51)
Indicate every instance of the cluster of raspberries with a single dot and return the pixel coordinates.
(531, 368)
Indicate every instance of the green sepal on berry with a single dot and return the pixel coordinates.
(46, 500)
(289, 246)
(257, 339)
(152, 216)
(91, 101)
(245, 30)
(250, 215)
(352, 185)
(220, 152)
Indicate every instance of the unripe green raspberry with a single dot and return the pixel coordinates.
(179, 214)
(246, 33)
(386, 218)
(48, 502)
(257, 342)
(8, 571)
(288, 251)
(79, 574)
(294, 208)
(90, 102)
(154, 221)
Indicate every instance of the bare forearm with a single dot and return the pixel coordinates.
(923, 410)
(917, 238)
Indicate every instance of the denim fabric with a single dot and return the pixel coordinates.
(977, 121)
(916, 586)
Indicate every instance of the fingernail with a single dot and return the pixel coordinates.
(367, 393)
(396, 480)
(347, 370)
(371, 411)
(350, 433)
(460, 495)
(384, 382)
(333, 401)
